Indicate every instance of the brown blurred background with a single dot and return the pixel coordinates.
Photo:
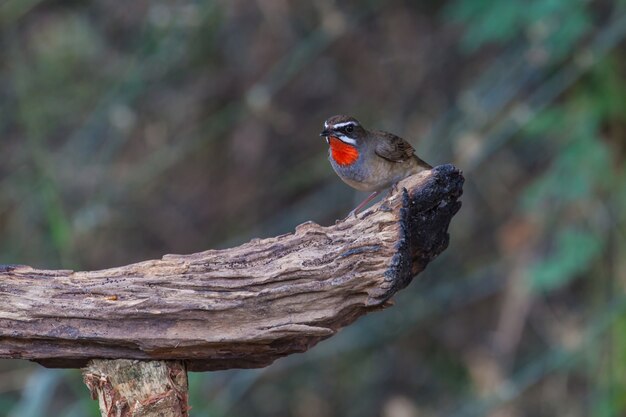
(133, 129)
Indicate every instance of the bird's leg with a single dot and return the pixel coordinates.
(363, 204)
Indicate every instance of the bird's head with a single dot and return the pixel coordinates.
(344, 128)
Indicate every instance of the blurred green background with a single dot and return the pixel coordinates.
(133, 129)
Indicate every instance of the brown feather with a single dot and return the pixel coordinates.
(393, 148)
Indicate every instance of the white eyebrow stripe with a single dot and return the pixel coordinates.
(325, 125)
(346, 139)
(339, 125)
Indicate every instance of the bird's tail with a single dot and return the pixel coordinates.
(421, 163)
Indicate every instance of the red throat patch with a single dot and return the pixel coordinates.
(342, 153)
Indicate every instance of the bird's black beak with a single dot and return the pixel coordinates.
(325, 132)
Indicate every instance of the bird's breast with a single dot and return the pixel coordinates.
(342, 153)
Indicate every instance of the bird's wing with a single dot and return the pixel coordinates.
(392, 147)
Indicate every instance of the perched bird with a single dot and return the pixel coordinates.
(368, 160)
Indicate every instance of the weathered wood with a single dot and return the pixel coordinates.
(130, 388)
(239, 307)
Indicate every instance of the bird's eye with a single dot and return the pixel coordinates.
(349, 128)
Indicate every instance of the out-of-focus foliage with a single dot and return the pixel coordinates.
(133, 129)
(554, 25)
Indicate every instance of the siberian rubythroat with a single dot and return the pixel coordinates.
(368, 160)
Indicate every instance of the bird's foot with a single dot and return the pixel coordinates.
(362, 205)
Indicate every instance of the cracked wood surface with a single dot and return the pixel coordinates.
(232, 308)
(127, 388)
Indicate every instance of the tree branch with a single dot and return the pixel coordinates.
(128, 388)
(234, 308)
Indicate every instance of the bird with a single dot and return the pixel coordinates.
(368, 160)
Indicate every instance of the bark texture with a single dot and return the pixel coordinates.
(239, 307)
(130, 388)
